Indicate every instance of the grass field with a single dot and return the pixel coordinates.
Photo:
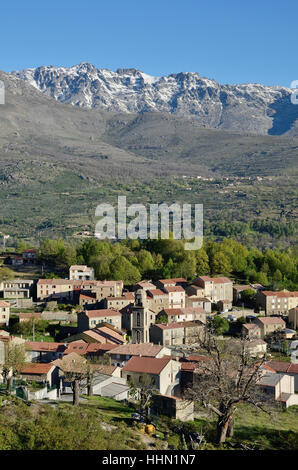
(255, 428)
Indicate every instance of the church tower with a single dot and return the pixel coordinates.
(141, 318)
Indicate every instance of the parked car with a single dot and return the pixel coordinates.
(250, 317)
(231, 317)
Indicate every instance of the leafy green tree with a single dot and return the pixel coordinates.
(248, 296)
(220, 264)
(145, 261)
(220, 324)
(121, 268)
(21, 246)
(168, 269)
(202, 267)
(162, 319)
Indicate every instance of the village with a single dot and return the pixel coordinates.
(122, 344)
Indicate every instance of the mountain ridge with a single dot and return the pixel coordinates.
(253, 108)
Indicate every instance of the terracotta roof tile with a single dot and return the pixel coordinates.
(147, 365)
(142, 349)
(102, 313)
(36, 368)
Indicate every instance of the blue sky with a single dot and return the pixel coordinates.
(230, 41)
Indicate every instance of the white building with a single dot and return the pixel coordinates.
(81, 273)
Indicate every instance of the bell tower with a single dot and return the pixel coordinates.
(140, 318)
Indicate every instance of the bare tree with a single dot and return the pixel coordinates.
(14, 358)
(142, 392)
(75, 372)
(80, 373)
(229, 376)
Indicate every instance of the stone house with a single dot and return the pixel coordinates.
(183, 314)
(104, 289)
(157, 300)
(288, 368)
(164, 283)
(121, 354)
(29, 316)
(202, 302)
(177, 333)
(215, 288)
(91, 318)
(173, 407)
(61, 289)
(251, 330)
(118, 303)
(87, 299)
(257, 347)
(293, 317)
(280, 387)
(195, 290)
(276, 303)
(224, 305)
(268, 325)
(4, 313)
(237, 292)
(18, 289)
(47, 374)
(42, 351)
(161, 374)
(176, 296)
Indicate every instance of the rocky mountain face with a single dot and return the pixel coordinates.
(249, 108)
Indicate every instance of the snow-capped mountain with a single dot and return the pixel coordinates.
(249, 107)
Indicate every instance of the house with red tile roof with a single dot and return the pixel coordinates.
(178, 281)
(158, 299)
(268, 325)
(277, 303)
(29, 316)
(251, 330)
(120, 302)
(121, 354)
(87, 299)
(176, 296)
(183, 314)
(161, 374)
(91, 351)
(280, 387)
(145, 284)
(43, 351)
(55, 288)
(288, 368)
(46, 374)
(89, 319)
(194, 302)
(215, 288)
